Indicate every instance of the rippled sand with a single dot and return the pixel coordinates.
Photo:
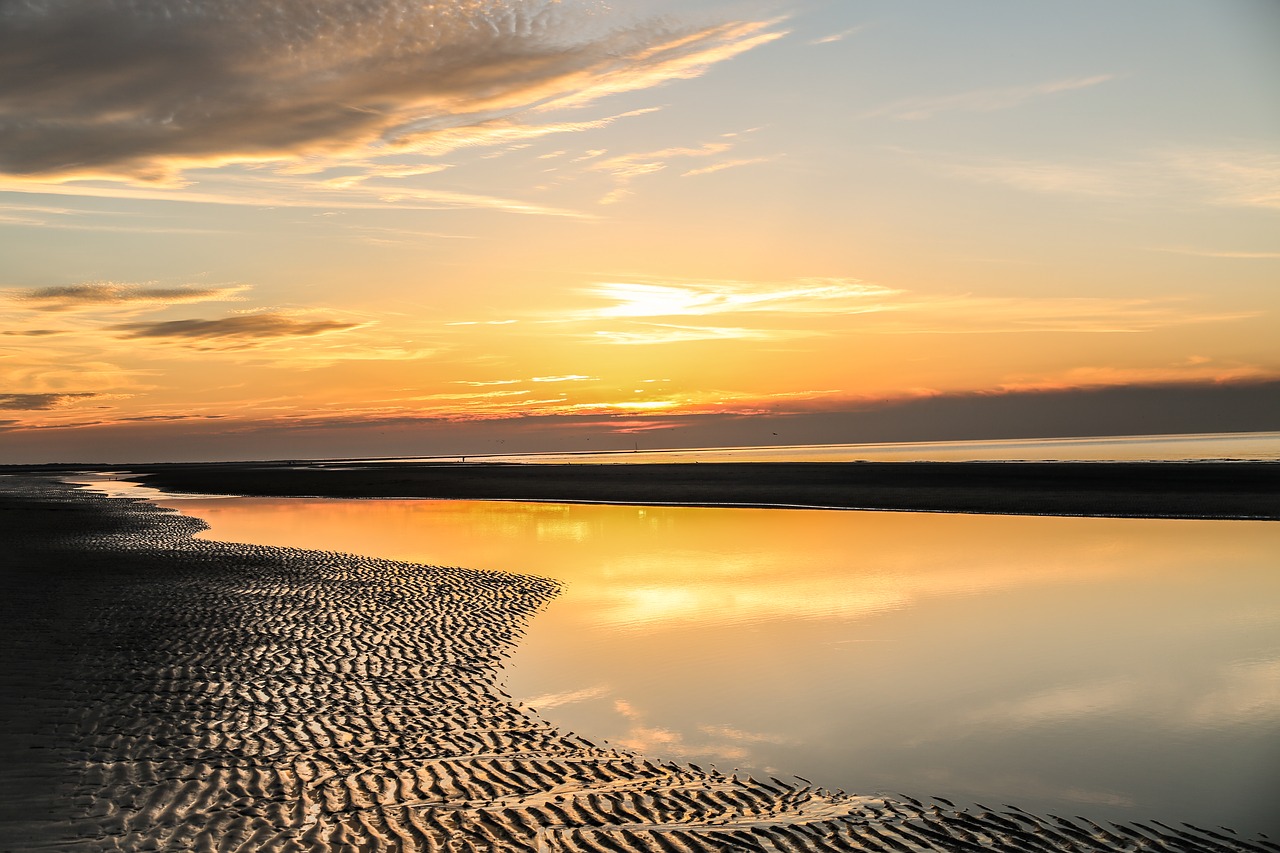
(168, 693)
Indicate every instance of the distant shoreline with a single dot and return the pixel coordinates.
(1205, 490)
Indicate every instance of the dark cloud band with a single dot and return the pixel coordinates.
(111, 293)
(240, 328)
(39, 402)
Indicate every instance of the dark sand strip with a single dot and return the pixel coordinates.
(167, 693)
(1136, 489)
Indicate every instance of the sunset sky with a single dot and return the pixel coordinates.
(232, 229)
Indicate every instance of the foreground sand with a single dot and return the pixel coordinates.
(167, 693)
(1143, 489)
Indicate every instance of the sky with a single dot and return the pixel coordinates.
(231, 229)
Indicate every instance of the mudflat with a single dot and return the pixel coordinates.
(1131, 489)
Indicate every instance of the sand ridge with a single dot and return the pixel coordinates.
(170, 693)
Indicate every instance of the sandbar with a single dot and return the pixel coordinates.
(1126, 489)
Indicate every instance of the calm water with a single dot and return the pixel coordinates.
(1255, 446)
(1117, 668)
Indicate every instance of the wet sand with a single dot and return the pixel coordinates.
(1134, 489)
(165, 692)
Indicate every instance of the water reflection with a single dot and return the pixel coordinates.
(1114, 667)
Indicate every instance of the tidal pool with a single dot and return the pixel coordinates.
(1123, 669)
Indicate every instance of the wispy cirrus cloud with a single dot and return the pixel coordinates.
(644, 334)
(645, 299)
(967, 314)
(638, 313)
(505, 130)
(1235, 176)
(983, 100)
(636, 302)
(1085, 179)
(372, 171)
(142, 93)
(349, 349)
(647, 314)
(626, 168)
(61, 218)
(840, 36)
(1229, 254)
(725, 164)
(261, 189)
(100, 294)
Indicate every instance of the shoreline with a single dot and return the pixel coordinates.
(1200, 490)
(167, 692)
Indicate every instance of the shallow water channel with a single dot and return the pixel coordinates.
(1113, 668)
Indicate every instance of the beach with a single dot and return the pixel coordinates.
(166, 692)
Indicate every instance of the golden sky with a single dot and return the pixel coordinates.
(231, 229)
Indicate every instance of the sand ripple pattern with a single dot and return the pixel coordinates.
(224, 697)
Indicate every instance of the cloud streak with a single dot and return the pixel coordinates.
(237, 330)
(95, 88)
(1084, 315)
(840, 36)
(636, 313)
(99, 294)
(40, 402)
(506, 131)
(249, 188)
(726, 164)
(648, 313)
(625, 168)
(1217, 253)
(641, 299)
(1228, 177)
(983, 100)
(646, 334)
